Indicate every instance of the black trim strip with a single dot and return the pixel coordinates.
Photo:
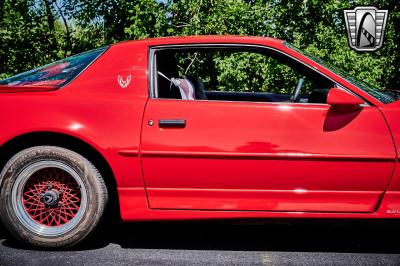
(172, 123)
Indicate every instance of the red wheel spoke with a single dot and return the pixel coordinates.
(66, 213)
(73, 205)
(33, 197)
(51, 181)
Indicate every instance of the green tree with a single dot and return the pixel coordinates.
(148, 18)
(108, 17)
(35, 32)
(23, 27)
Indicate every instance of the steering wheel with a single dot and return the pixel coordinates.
(297, 89)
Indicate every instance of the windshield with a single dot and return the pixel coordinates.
(57, 74)
(383, 96)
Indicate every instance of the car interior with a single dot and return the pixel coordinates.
(194, 74)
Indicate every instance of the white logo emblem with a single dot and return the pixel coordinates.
(365, 27)
(124, 83)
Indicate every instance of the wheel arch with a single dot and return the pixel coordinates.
(21, 142)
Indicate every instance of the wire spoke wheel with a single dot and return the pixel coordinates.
(49, 198)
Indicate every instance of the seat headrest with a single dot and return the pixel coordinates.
(186, 88)
(199, 88)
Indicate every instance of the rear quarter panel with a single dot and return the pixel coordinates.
(93, 108)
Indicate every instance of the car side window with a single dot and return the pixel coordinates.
(236, 75)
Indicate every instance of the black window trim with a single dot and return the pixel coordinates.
(152, 71)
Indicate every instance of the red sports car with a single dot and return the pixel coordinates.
(199, 127)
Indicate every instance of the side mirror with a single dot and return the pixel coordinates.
(338, 96)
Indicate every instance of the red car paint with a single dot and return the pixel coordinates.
(263, 159)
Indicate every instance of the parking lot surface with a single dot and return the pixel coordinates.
(299, 242)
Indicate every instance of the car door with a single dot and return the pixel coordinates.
(265, 156)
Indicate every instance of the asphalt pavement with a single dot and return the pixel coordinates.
(299, 242)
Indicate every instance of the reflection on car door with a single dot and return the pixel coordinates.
(217, 155)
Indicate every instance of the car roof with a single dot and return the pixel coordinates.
(204, 39)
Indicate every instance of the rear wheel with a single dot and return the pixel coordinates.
(51, 196)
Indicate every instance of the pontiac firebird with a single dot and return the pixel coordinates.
(122, 128)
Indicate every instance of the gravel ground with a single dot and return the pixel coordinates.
(300, 242)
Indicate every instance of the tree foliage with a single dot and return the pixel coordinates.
(35, 32)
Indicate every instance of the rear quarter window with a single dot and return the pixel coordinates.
(57, 73)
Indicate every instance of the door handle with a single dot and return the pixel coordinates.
(172, 123)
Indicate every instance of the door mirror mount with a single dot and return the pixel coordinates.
(340, 97)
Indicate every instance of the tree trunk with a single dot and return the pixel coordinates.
(2, 3)
(67, 31)
(49, 14)
(50, 23)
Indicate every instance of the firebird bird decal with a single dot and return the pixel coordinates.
(124, 83)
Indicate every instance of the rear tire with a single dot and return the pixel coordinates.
(51, 197)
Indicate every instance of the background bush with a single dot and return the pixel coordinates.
(36, 32)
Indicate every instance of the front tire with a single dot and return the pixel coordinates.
(51, 197)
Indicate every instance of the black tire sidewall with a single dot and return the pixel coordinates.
(94, 185)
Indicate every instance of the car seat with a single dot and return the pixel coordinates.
(318, 96)
(198, 87)
(186, 88)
